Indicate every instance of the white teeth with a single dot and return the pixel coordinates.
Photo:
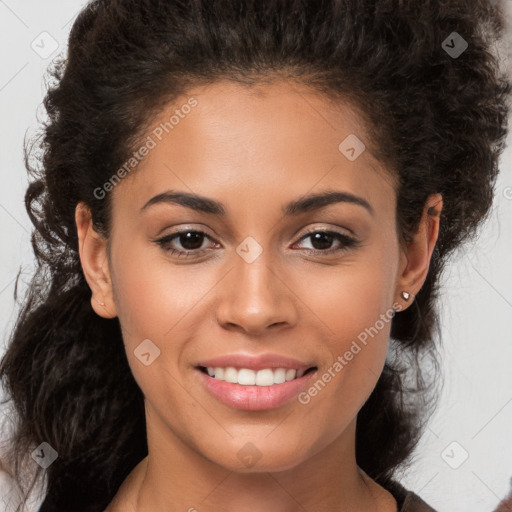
(247, 377)
(231, 375)
(290, 374)
(265, 377)
(279, 376)
(219, 373)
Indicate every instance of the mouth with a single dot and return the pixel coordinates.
(248, 377)
(255, 389)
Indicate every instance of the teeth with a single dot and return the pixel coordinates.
(290, 374)
(247, 377)
(230, 375)
(279, 375)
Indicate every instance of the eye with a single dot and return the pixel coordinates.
(322, 241)
(190, 240)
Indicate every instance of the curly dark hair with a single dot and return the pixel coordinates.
(438, 121)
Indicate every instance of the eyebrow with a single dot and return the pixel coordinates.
(301, 205)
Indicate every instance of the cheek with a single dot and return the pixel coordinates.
(359, 325)
(152, 302)
(160, 302)
(153, 297)
(357, 342)
(356, 306)
(352, 298)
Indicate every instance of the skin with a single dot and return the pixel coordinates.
(254, 150)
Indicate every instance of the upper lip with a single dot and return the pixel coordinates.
(256, 362)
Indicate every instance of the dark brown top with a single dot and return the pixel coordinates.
(408, 501)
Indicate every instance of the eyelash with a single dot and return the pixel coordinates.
(348, 243)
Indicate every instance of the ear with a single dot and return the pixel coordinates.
(94, 259)
(415, 258)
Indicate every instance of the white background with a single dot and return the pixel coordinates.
(475, 409)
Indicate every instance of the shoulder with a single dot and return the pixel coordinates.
(126, 496)
(505, 505)
(408, 501)
(413, 503)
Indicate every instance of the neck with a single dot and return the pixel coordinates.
(175, 477)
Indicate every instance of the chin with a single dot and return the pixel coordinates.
(252, 457)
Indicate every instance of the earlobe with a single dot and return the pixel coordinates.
(418, 254)
(94, 259)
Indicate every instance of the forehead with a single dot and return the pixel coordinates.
(228, 141)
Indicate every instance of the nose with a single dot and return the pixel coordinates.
(256, 296)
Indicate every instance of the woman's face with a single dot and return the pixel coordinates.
(262, 282)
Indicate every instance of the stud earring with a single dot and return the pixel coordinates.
(405, 295)
(100, 303)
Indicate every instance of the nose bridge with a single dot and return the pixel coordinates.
(253, 274)
(254, 297)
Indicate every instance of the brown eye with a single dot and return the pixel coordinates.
(322, 241)
(190, 240)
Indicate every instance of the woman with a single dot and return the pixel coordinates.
(241, 217)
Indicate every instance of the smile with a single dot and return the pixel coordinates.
(249, 377)
(254, 390)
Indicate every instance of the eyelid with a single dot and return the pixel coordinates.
(327, 229)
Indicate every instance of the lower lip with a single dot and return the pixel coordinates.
(255, 398)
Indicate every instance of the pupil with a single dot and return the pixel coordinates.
(317, 237)
(190, 238)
